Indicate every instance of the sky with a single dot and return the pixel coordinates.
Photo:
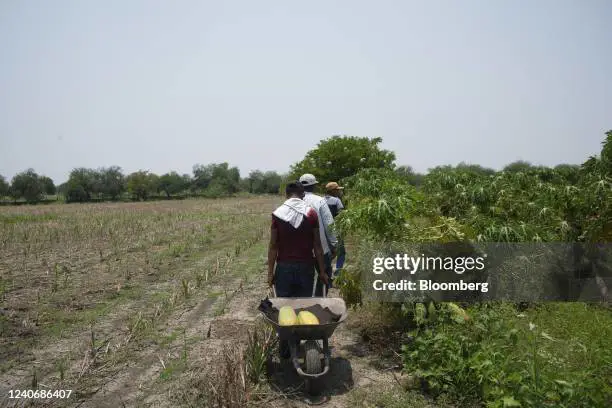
(163, 85)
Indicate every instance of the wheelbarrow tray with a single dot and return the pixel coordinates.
(308, 332)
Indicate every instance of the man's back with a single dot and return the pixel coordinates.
(296, 244)
(335, 205)
(325, 218)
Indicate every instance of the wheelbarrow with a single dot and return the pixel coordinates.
(311, 340)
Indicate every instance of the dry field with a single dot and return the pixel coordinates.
(136, 304)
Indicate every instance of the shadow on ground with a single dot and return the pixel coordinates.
(284, 379)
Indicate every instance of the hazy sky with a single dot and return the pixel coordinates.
(162, 85)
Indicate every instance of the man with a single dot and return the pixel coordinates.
(328, 238)
(334, 193)
(294, 236)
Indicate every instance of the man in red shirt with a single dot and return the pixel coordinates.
(294, 238)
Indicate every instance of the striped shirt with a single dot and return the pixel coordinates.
(325, 220)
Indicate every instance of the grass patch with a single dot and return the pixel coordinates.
(26, 218)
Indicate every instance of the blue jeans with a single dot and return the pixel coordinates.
(293, 279)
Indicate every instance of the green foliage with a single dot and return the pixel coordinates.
(4, 186)
(518, 166)
(349, 284)
(47, 185)
(342, 156)
(173, 183)
(415, 179)
(142, 184)
(498, 357)
(381, 202)
(27, 185)
(264, 183)
(216, 180)
(110, 182)
(81, 185)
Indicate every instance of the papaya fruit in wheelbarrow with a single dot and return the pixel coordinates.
(286, 316)
(306, 317)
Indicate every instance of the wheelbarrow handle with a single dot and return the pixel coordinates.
(314, 286)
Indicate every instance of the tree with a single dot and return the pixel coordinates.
(271, 182)
(202, 176)
(255, 180)
(27, 185)
(47, 185)
(519, 165)
(569, 172)
(4, 187)
(225, 180)
(406, 172)
(110, 182)
(82, 183)
(477, 169)
(141, 184)
(172, 183)
(342, 156)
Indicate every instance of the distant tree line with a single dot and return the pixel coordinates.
(111, 184)
(332, 160)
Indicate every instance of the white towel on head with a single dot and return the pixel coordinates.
(293, 211)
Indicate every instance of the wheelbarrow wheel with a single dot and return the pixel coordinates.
(312, 358)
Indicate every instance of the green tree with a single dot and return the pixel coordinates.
(256, 182)
(47, 185)
(141, 184)
(342, 156)
(82, 183)
(202, 176)
(406, 172)
(110, 182)
(271, 182)
(4, 187)
(476, 169)
(27, 185)
(225, 180)
(172, 183)
(519, 165)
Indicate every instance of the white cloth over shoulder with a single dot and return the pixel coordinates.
(292, 211)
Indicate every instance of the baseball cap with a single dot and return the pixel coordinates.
(331, 186)
(308, 180)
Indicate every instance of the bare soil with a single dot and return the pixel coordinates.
(132, 305)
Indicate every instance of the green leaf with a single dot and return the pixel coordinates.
(510, 402)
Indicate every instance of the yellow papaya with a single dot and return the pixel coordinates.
(306, 317)
(286, 316)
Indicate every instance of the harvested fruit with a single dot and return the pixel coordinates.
(306, 317)
(286, 316)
